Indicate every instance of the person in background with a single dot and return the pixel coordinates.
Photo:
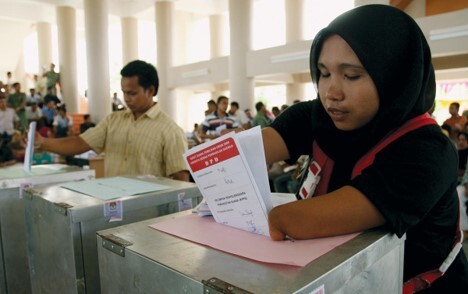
(9, 84)
(261, 118)
(241, 118)
(33, 97)
(275, 111)
(139, 140)
(33, 113)
(196, 134)
(211, 104)
(17, 100)
(88, 123)
(40, 85)
(219, 121)
(49, 112)
(53, 79)
(63, 123)
(455, 121)
(249, 115)
(462, 148)
(9, 121)
(463, 199)
(409, 186)
(117, 104)
(50, 96)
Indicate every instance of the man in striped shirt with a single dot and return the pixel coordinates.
(218, 121)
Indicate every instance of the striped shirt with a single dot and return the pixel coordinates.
(213, 121)
(152, 144)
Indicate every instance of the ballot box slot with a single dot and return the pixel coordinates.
(215, 286)
(115, 244)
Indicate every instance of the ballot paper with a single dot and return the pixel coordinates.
(231, 174)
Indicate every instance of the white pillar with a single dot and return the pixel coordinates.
(165, 61)
(294, 15)
(66, 24)
(240, 21)
(97, 51)
(129, 39)
(217, 23)
(295, 90)
(216, 35)
(44, 43)
(20, 74)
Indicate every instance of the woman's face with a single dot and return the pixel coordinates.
(346, 90)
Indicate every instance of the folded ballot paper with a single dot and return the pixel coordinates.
(231, 174)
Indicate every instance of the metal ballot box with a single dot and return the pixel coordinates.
(62, 225)
(138, 259)
(14, 271)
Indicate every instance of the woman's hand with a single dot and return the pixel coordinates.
(274, 223)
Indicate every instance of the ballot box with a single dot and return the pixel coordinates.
(62, 224)
(136, 258)
(14, 272)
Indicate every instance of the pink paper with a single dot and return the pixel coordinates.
(204, 230)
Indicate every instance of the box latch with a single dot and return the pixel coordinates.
(115, 244)
(62, 207)
(215, 286)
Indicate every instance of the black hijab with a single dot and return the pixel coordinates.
(395, 53)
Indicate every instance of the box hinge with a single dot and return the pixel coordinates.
(62, 207)
(215, 286)
(115, 244)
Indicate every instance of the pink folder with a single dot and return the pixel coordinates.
(204, 230)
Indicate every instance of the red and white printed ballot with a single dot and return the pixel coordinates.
(231, 174)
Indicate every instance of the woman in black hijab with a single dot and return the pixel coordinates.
(375, 82)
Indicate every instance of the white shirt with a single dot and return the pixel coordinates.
(32, 115)
(7, 119)
(240, 117)
(62, 122)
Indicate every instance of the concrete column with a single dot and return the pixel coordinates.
(293, 9)
(44, 42)
(240, 20)
(294, 33)
(66, 24)
(295, 90)
(20, 74)
(97, 48)
(165, 61)
(129, 39)
(216, 35)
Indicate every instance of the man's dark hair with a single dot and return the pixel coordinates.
(86, 116)
(146, 73)
(258, 106)
(234, 103)
(211, 102)
(456, 104)
(221, 98)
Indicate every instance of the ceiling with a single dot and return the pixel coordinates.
(18, 18)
